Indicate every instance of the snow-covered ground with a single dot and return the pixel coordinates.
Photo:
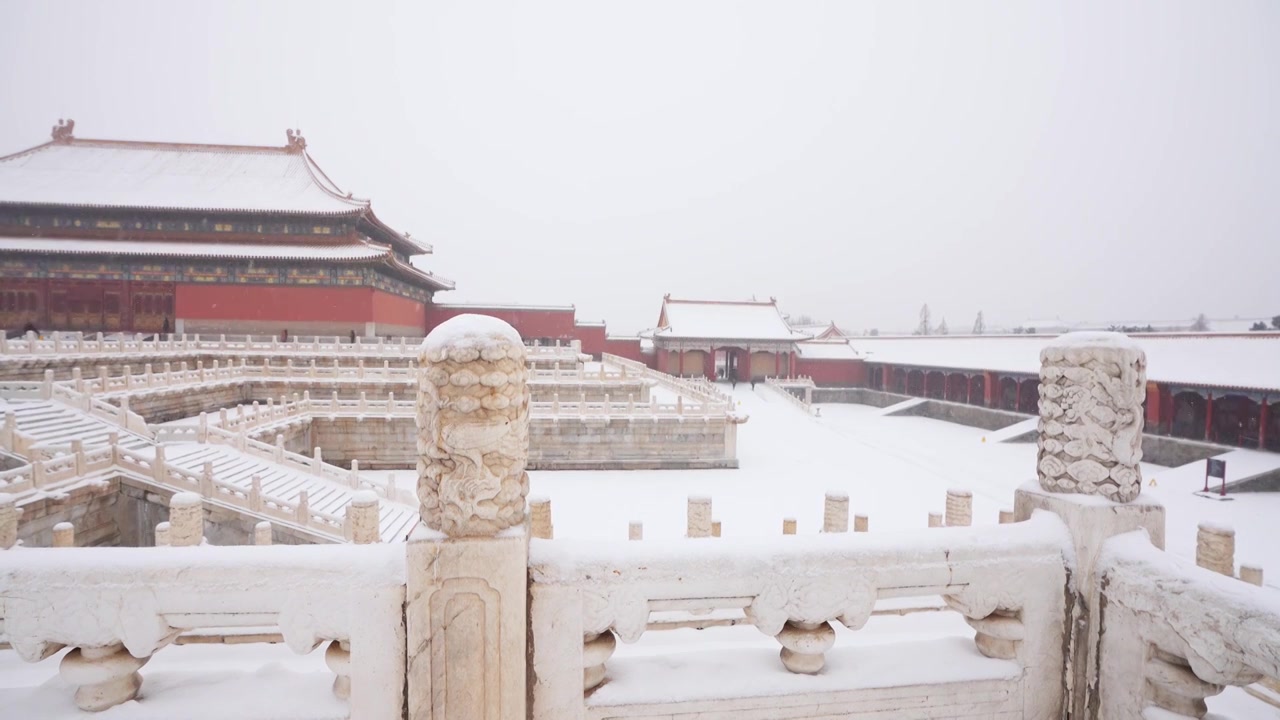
(895, 469)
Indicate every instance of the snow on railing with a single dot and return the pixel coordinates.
(628, 408)
(154, 345)
(779, 387)
(1187, 630)
(1008, 581)
(350, 597)
(698, 388)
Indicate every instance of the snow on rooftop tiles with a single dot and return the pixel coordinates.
(110, 174)
(257, 251)
(827, 350)
(1218, 361)
(724, 321)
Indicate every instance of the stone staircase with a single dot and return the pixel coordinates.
(48, 428)
(231, 466)
(53, 424)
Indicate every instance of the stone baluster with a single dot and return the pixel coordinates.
(1251, 574)
(255, 413)
(835, 512)
(935, 520)
(363, 517)
(317, 461)
(64, 535)
(262, 533)
(698, 516)
(222, 418)
(277, 453)
(789, 526)
(338, 657)
(582, 404)
(9, 514)
(959, 508)
(311, 371)
(162, 534)
(1216, 548)
(202, 428)
(631, 404)
(653, 405)
(861, 523)
(540, 518)
(596, 651)
(206, 480)
(124, 411)
(302, 513)
(804, 645)
(46, 389)
(364, 403)
(103, 676)
(391, 491)
(715, 528)
(1006, 517)
(306, 400)
(635, 530)
(555, 404)
(1174, 686)
(353, 475)
(679, 404)
(159, 468)
(360, 368)
(186, 520)
(103, 379)
(200, 370)
(77, 380)
(391, 403)
(255, 493)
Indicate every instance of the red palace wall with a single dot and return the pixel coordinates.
(628, 348)
(834, 373)
(531, 323)
(299, 309)
(593, 339)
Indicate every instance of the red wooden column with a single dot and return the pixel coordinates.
(777, 364)
(709, 365)
(681, 363)
(1153, 407)
(1208, 419)
(988, 388)
(1263, 414)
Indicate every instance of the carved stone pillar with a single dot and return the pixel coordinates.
(1091, 390)
(1090, 443)
(468, 562)
(104, 676)
(9, 513)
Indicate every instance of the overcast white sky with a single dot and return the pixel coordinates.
(1094, 159)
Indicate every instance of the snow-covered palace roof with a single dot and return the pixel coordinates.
(1227, 360)
(724, 320)
(114, 174)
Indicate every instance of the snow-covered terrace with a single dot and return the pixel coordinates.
(1227, 360)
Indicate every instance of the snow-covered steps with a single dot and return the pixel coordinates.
(902, 407)
(51, 424)
(233, 467)
(1023, 431)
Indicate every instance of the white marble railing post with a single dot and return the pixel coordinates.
(468, 567)
(861, 523)
(262, 533)
(1006, 517)
(959, 508)
(789, 526)
(9, 514)
(835, 512)
(1092, 386)
(935, 520)
(635, 530)
(1216, 548)
(698, 517)
(363, 518)
(64, 535)
(540, 518)
(162, 534)
(186, 520)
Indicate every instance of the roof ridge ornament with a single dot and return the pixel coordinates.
(62, 132)
(296, 142)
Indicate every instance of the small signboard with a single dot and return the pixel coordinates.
(1215, 468)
